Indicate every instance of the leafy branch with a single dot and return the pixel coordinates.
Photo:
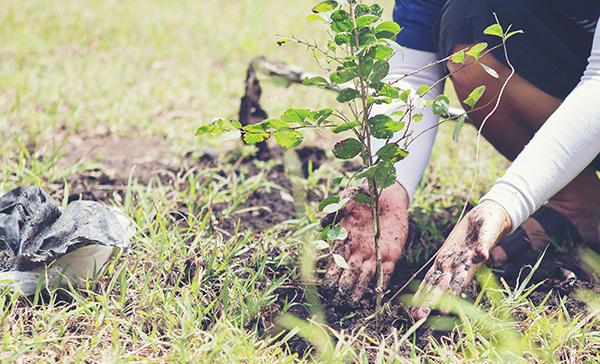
(359, 49)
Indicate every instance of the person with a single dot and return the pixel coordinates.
(547, 122)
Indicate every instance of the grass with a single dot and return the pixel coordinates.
(192, 292)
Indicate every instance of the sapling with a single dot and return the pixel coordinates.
(355, 58)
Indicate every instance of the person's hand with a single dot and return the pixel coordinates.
(359, 247)
(466, 249)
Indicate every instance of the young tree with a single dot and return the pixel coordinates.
(356, 58)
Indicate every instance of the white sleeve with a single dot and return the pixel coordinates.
(567, 142)
(405, 60)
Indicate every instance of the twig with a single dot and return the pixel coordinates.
(474, 181)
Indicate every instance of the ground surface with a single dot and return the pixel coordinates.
(100, 100)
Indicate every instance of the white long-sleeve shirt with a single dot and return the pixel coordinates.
(404, 61)
(567, 142)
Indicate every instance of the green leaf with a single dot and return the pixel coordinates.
(458, 127)
(335, 207)
(340, 21)
(321, 116)
(219, 126)
(347, 148)
(458, 57)
(331, 45)
(383, 52)
(315, 81)
(337, 233)
(391, 152)
(337, 181)
(385, 89)
(347, 94)
(475, 51)
(325, 6)
(404, 95)
(321, 244)
(276, 124)
(380, 70)
(339, 260)
(367, 66)
(422, 90)
(342, 75)
(295, 116)
(365, 20)
(378, 126)
(363, 198)
(340, 15)
(255, 137)
(387, 29)
(387, 151)
(349, 65)
(440, 105)
(315, 17)
(345, 126)
(492, 72)
(343, 38)
(331, 208)
(328, 200)
(258, 127)
(362, 9)
(288, 138)
(376, 9)
(510, 34)
(399, 113)
(385, 174)
(474, 96)
(379, 100)
(367, 172)
(494, 29)
(395, 126)
(366, 36)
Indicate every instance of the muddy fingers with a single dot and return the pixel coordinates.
(367, 273)
(465, 250)
(350, 275)
(359, 248)
(429, 294)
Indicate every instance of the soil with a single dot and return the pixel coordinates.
(112, 161)
(311, 158)
(264, 207)
(114, 158)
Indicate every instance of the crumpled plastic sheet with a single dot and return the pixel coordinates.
(44, 244)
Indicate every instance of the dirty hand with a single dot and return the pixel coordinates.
(465, 250)
(359, 247)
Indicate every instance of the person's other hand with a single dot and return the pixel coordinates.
(359, 247)
(467, 247)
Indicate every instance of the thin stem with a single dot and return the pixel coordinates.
(311, 46)
(368, 161)
(439, 61)
(497, 99)
(476, 174)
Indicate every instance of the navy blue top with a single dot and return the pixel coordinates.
(418, 17)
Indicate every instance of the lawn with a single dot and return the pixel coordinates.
(219, 269)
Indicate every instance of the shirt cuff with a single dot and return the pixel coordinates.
(512, 200)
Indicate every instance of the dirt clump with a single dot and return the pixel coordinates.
(263, 207)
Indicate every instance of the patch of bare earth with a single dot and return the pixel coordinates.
(113, 161)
